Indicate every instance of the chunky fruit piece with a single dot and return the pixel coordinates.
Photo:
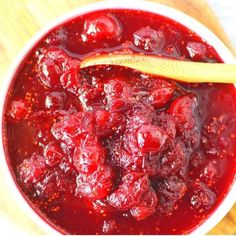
(146, 207)
(130, 191)
(130, 143)
(125, 160)
(101, 206)
(172, 160)
(149, 39)
(109, 123)
(92, 97)
(210, 173)
(33, 169)
(96, 185)
(58, 37)
(140, 114)
(51, 66)
(167, 123)
(183, 111)
(55, 100)
(101, 27)
(71, 81)
(56, 183)
(88, 159)
(160, 96)
(151, 138)
(196, 51)
(73, 127)
(118, 93)
(18, 110)
(53, 154)
(116, 88)
(201, 197)
(170, 191)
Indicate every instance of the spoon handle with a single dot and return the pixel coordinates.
(191, 72)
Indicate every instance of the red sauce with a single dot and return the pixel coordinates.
(111, 150)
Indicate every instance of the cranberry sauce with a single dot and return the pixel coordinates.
(110, 150)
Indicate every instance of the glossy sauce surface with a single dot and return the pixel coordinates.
(131, 153)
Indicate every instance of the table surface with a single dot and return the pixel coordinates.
(20, 19)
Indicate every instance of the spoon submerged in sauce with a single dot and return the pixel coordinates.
(185, 71)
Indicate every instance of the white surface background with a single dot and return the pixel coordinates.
(226, 12)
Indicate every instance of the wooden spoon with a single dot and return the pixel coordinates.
(191, 72)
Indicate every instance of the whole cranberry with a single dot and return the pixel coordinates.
(201, 197)
(161, 96)
(197, 51)
(71, 81)
(96, 185)
(53, 154)
(51, 65)
(100, 27)
(170, 191)
(18, 110)
(146, 207)
(151, 138)
(55, 100)
(183, 111)
(149, 39)
(88, 159)
(33, 169)
(130, 191)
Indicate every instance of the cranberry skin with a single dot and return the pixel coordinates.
(170, 191)
(92, 97)
(109, 226)
(149, 39)
(118, 93)
(58, 37)
(151, 138)
(166, 122)
(140, 114)
(161, 96)
(96, 185)
(71, 81)
(130, 191)
(51, 66)
(172, 160)
(130, 143)
(88, 159)
(53, 154)
(146, 207)
(201, 197)
(108, 123)
(55, 100)
(196, 51)
(33, 169)
(197, 159)
(118, 89)
(55, 183)
(73, 128)
(18, 110)
(127, 161)
(101, 27)
(211, 173)
(99, 205)
(183, 111)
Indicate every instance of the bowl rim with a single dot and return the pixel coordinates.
(176, 15)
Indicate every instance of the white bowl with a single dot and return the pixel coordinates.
(177, 16)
